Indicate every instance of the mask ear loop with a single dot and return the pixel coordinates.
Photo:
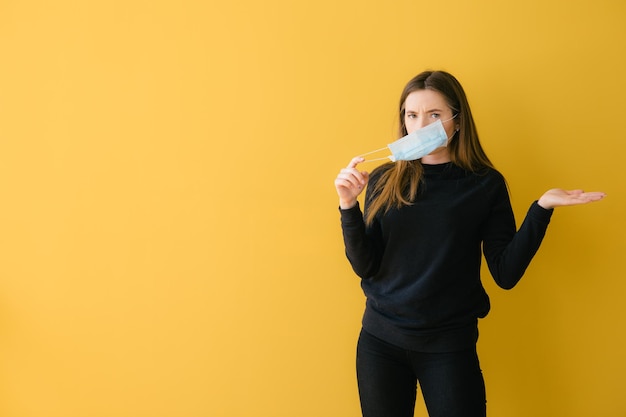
(456, 129)
(375, 159)
(447, 120)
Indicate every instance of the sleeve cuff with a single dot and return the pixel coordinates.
(539, 213)
(351, 214)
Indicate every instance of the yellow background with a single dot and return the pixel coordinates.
(170, 243)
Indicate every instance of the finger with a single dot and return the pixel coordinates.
(347, 189)
(585, 198)
(575, 192)
(360, 177)
(355, 161)
(594, 196)
(351, 178)
(344, 187)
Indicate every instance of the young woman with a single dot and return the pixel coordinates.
(417, 249)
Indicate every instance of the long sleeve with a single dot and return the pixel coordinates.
(363, 246)
(509, 252)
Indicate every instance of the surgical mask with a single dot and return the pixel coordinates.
(417, 144)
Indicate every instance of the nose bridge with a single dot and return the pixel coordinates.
(422, 120)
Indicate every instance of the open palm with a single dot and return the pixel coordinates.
(558, 197)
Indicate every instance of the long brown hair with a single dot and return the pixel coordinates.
(399, 181)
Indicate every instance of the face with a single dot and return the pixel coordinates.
(423, 107)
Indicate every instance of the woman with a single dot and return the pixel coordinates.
(417, 249)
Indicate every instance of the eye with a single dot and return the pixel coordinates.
(411, 116)
(435, 115)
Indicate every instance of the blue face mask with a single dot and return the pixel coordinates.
(417, 144)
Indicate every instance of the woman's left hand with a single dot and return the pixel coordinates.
(557, 197)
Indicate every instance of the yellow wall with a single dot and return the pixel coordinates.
(170, 244)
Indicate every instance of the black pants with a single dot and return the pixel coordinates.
(451, 383)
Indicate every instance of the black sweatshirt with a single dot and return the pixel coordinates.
(420, 265)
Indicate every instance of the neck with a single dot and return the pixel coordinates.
(438, 156)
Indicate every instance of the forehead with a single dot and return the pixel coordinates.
(425, 100)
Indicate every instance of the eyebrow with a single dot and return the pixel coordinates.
(427, 111)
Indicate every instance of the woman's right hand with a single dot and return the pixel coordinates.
(350, 183)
